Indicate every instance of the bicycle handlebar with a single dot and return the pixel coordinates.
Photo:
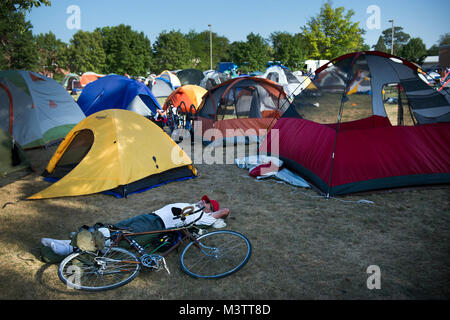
(186, 212)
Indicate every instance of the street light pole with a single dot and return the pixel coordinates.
(392, 37)
(210, 46)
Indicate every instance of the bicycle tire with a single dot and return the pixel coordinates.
(81, 271)
(216, 259)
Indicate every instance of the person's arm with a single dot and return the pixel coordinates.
(221, 213)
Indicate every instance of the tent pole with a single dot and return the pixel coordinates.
(343, 100)
(11, 109)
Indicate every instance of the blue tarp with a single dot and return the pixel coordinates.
(114, 92)
(226, 66)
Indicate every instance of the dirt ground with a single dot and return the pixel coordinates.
(304, 246)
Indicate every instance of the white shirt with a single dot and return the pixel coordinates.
(165, 213)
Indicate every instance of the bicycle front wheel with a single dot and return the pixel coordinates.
(88, 271)
(216, 254)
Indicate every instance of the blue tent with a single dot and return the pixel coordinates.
(226, 66)
(118, 92)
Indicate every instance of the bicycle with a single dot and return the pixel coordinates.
(212, 255)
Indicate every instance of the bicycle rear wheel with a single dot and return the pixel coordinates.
(91, 272)
(216, 254)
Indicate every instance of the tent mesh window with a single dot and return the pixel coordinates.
(291, 78)
(321, 100)
(341, 90)
(397, 106)
(75, 152)
(273, 76)
(249, 101)
(349, 87)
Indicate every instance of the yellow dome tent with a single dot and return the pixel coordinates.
(114, 151)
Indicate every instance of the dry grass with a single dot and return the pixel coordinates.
(305, 247)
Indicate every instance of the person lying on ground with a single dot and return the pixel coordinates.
(206, 213)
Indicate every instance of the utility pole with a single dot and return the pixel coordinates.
(392, 37)
(210, 47)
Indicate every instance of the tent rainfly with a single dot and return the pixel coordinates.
(35, 110)
(345, 140)
(118, 92)
(117, 152)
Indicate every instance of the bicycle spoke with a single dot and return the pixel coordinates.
(99, 272)
(216, 254)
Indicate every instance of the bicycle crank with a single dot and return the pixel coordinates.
(154, 261)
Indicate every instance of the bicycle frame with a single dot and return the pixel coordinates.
(187, 235)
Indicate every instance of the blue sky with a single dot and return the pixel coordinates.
(235, 19)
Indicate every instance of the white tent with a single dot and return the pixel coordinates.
(35, 109)
(290, 83)
(171, 78)
(160, 88)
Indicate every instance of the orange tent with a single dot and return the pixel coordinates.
(187, 98)
(88, 77)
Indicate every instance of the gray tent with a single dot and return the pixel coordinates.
(190, 76)
(160, 88)
(213, 78)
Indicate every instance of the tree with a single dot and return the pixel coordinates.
(332, 33)
(415, 51)
(291, 50)
(251, 55)
(380, 46)
(51, 53)
(400, 39)
(258, 52)
(19, 5)
(239, 53)
(17, 47)
(86, 52)
(171, 51)
(199, 43)
(433, 50)
(126, 51)
(444, 39)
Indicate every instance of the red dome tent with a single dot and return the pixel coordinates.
(346, 142)
(240, 109)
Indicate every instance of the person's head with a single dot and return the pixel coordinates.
(210, 205)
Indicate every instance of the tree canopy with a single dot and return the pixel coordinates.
(199, 44)
(290, 50)
(171, 51)
(400, 39)
(380, 45)
(86, 52)
(415, 50)
(120, 49)
(126, 50)
(332, 33)
(17, 46)
(251, 55)
(51, 52)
